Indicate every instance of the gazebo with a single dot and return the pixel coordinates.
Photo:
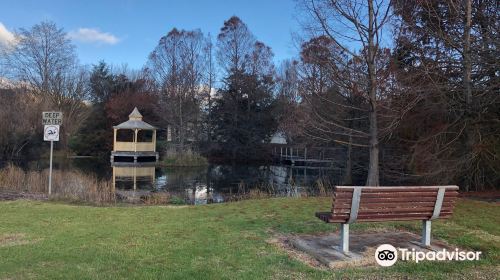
(134, 140)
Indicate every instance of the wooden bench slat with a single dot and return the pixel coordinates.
(396, 215)
(384, 219)
(395, 194)
(392, 210)
(328, 217)
(365, 188)
(423, 212)
(394, 199)
(388, 215)
(399, 194)
(390, 204)
(410, 189)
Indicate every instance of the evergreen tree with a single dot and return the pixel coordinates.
(244, 113)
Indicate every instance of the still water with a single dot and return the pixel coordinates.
(201, 185)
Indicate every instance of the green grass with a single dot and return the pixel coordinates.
(49, 240)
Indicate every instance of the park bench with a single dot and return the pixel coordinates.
(377, 204)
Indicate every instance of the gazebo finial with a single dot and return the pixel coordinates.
(135, 115)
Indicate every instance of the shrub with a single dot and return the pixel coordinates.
(184, 159)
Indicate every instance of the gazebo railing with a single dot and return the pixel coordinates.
(131, 146)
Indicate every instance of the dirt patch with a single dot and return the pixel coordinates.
(366, 260)
(322, 250)
(282, 242)
(14, 239)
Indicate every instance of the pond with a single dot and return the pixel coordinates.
(202, 185)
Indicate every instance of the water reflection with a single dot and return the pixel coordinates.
(202, 194)
(217, 183)
(133, 177)
(200, 185)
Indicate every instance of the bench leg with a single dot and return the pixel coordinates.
(344, 237)
(426, 233)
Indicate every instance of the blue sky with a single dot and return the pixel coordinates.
(126, 31)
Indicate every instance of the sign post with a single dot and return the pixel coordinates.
(51, 122)
(50, 168)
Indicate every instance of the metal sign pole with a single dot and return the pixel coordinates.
(52, 122)
(50, 168)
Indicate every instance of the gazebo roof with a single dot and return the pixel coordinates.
(135, 122)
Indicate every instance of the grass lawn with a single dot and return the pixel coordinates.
(47, 240)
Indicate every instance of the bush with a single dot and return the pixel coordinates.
(177, 200)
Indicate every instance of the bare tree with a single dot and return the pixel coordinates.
(209, 82)
(41, 57)
(288, 82)
(447, 52)
(20, 111)
(176, 66)
(356, 28)
(44, 58)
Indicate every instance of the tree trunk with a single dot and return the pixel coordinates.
(373, 167)
(467, 56)
(210, 82)
(181, 126)
(235, 126)
(373, 170)
(209, 117)
(348, 169)
(467, 65)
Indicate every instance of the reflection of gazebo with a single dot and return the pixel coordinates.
(133, 177)
(134, 140)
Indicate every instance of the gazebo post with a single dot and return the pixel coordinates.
(114, 138)
(114, 180)
(154, 140)
(135, 178)
(135, 140)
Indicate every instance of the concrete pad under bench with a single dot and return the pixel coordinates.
(325, 248)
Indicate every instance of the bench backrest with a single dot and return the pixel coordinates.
(352, 204)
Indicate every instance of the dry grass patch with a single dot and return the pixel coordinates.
(282, 243)
(14, 239)
(66, 185)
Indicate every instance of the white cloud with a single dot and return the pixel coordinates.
(6, 37)
(92, 35)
